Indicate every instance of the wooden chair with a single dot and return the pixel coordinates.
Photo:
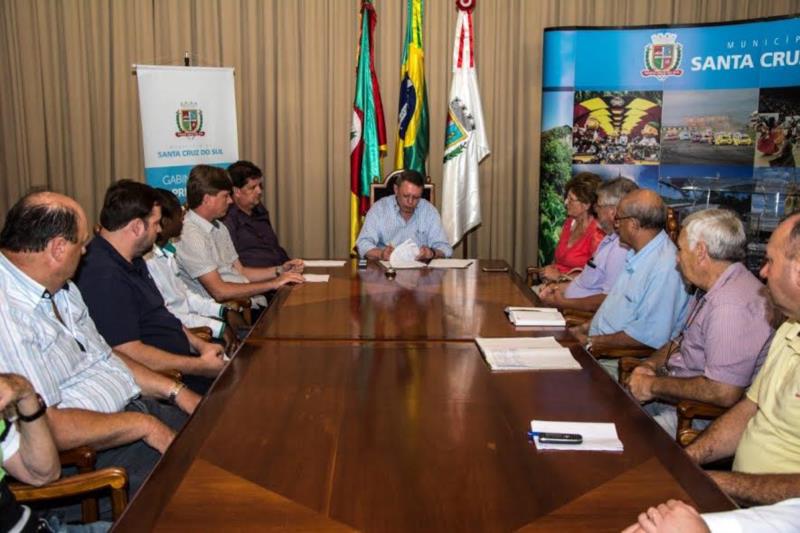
(86, 485)
(386, 188)
(243, 304)
(687, 410)
(574, 317)
(204, 332)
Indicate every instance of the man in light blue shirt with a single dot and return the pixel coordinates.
(647, 305)
(406, 215)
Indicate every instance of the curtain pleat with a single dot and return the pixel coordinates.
(69, 111)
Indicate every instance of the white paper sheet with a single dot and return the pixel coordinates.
(450, 263)
(597, 436)
(316, 278)
(323, 263)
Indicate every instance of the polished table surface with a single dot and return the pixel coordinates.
(406, 435)
(456, 304)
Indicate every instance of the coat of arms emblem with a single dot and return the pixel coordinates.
(662, 57)
(189, 119)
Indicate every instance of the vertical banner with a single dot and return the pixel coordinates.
(705, 115)
(465, 144)
(412, 116)
(188, 118)
(368, 131)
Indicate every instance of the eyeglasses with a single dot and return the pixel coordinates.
(601, 206)
(618, 219)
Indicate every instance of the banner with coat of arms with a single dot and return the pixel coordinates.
(188, 118)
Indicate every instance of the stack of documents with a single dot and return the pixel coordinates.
(316, 278)
(436, 263)
(535, 316)
(450, 263)
(597, 436)
(402, 265)
(526, 353)
(323, 263)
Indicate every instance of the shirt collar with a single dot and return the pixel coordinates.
(30, 290)
(137, 265)
(635, 257)
(733, 270)
(793, 336)
(204, 224)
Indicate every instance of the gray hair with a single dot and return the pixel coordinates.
(612, 191)
(650, 215)
(721, 230)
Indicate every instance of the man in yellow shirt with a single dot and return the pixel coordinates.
(763, 429)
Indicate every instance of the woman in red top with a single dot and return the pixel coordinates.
(581, 233)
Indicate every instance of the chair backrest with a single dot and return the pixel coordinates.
(386, 188)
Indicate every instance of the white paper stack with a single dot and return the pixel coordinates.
(597, 436)
(402, 265)
(323, 263)
(450, 263)
(316, 278)
(535, 316)
(526, 353)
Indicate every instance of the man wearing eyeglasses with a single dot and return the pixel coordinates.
(647, 305)
(723, 342)
(762, 429)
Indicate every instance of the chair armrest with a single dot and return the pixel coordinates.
(625, 366)
(82, 457)
(173, 374)
(688, 410)
(244, 305)
(204, 332)
(687, 436)
(531, 274)
(575, 317)
(113, 478)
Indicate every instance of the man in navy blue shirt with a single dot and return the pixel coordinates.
(123, 300)
(248, 220)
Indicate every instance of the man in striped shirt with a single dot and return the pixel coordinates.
(723, 342)
(94, 397)
(406, 215)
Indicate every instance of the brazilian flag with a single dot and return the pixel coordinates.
(412, 118)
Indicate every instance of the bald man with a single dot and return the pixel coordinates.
(90, 395)
(647, 305)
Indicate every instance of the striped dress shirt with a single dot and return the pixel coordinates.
(69, 363)
(384, 226)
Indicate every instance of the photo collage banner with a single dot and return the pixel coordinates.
(706, 115)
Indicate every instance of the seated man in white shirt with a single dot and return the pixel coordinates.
(192, 309)
(206, 255)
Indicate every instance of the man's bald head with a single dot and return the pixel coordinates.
(39, 217)
(646, 206)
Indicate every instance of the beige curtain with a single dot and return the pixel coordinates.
(69, 115)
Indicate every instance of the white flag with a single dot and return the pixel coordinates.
(465, 138)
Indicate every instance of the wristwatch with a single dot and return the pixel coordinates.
(39, 412)
(176, 389)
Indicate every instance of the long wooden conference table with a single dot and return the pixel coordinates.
(364, 404)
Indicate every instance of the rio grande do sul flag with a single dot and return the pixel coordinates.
(465, 143)
(368, 131)
(412, 114)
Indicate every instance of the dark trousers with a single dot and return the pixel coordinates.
(137, 458)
